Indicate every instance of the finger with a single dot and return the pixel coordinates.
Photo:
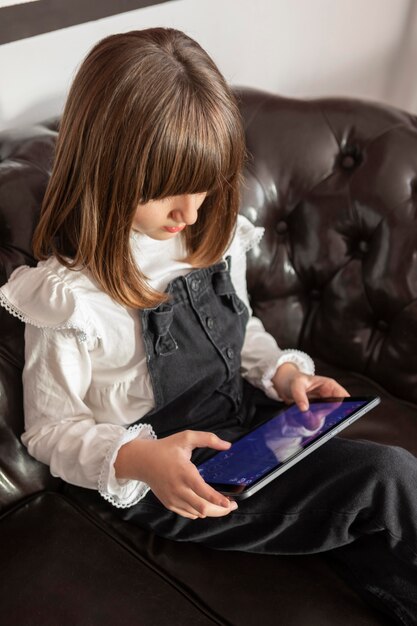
(179, 505)
(208, 509)
(315, 387)
(202, 439)
(339, 391)
(194, 504)
(183, 502)
(299, 393)
(326, 387)
(219, 511)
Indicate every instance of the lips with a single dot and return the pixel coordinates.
(173, 229)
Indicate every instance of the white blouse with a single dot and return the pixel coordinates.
(85, 377)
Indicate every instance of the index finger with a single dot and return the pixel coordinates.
(329, 387)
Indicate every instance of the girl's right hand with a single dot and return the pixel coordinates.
(165, 465)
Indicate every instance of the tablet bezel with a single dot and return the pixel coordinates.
(240, 492)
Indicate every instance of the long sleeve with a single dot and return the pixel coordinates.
(79, 443)
(61, 430)
(261, 355)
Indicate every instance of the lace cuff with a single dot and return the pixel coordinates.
(302, 360)
(123, 493)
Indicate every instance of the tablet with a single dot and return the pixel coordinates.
(270, 449)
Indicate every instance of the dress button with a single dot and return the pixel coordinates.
(230, 353)
(195, 284)
(210, 322)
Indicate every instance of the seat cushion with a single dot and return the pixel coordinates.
(249, 589)
(58, 566)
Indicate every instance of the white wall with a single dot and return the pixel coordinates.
(302, 48)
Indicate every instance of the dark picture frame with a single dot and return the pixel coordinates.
(35, 18)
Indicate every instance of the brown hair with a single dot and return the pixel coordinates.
(148, 116)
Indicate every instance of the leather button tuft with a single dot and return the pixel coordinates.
(351, 156)
(281, 227)
(315, 294)
(382, 325)
(363, 247)
(348, 162)
(195, 284)
(230, 353)
(210, 322)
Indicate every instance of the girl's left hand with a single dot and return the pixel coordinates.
(294, 386)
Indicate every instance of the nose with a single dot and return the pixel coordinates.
(186, 209)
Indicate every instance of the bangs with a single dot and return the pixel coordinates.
(193, 150)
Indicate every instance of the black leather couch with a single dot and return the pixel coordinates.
(334, 182)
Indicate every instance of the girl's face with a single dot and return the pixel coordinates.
(164, 219)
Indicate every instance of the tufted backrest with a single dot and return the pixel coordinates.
(25, 164)
(334, 182)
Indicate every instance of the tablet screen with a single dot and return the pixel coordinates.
(268, 446)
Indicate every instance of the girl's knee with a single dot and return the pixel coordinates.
(374, 458)
(391, 461)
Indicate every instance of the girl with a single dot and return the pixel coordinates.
(141, 350)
